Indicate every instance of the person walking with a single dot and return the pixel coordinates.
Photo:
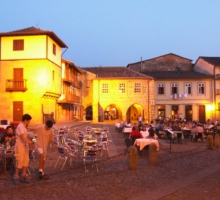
(44, 138)
(22, 149)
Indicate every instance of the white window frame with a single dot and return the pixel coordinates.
(201, 85)
(160, 85)
(174, 85)
(186, 88)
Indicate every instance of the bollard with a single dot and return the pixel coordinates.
(153, 158)
(217, 141)
(132, 158)
(210, 142)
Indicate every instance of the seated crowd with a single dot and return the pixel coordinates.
(153, 130)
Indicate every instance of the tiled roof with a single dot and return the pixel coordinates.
(72, 65)
(159, 57)
(177, 75)
(212, 60)
(35, 31)
(115, 72)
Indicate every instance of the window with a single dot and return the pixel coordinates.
(18, 45)
(188, 88)
(104, 88)
(174, 88)
(160, 88)
(54, 49)
(122, 87)
(201, 88)
(137, 88)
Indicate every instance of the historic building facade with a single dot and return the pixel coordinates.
(30, 72)
(117, 93)
(180, 91)
(211, 66)
(69, 105)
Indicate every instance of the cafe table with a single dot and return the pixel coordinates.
(142, 142)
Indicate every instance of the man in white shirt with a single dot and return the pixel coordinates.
(22, 149)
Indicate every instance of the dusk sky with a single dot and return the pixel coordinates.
(119, 32)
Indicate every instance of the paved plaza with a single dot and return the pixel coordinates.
(188, 171)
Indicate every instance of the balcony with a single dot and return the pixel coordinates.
(75, 83)
(16, 85)
(69, 98)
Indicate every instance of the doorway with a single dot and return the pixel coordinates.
(17, 111)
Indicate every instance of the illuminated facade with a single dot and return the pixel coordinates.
(180, 91)
(70, 102)
(211, 66)
(117, 93)
(30, 71)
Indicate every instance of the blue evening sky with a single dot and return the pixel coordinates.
(118, 32)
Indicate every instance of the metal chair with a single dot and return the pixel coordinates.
(90, 157)
(65, 153)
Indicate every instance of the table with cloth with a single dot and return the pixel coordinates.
(142, 142)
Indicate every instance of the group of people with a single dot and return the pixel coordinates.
(21, 140)
(153, 130)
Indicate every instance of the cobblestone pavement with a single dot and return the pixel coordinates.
(188, 171)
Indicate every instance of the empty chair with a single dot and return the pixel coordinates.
(64, 154)
(90, 157)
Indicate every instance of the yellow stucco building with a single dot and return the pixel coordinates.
(30, 73)
(117, 93)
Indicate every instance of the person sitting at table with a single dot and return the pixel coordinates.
(135, 134)
(144, 132)
(212, 126)
(199, 132)
(152, 134)
(159, 127)
(9, 137)
(175, 127)
(9, 140)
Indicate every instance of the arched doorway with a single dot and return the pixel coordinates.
(134, 111)
(112, 112)
(88, 111)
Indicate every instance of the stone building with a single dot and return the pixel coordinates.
(211, 66)
(117, 93)
(180, 91)
(69, 104)
(30, 71)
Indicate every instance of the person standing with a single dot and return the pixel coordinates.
(44, 138)
(139, 120)
(22, 149)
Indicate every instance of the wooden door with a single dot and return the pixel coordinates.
(202, 113)
(17, 111)
(18, 78)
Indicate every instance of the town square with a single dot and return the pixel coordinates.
(109, 100)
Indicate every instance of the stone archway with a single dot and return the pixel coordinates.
(134, 111)
(88, 113)
(112, 112)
